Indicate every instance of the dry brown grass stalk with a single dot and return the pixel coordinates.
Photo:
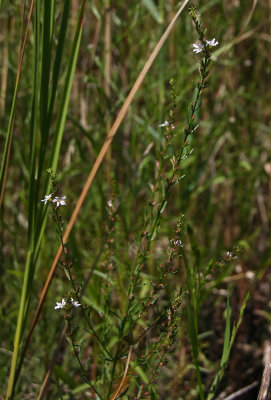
(266, 383)
(123, 380)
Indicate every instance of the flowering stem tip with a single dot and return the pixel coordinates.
(63, 303)
(198, 47)
(58, 201)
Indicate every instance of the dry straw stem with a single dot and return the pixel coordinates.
(117, 392)
(250, 14)
(240, 392)
(266, 383)
(98, 162)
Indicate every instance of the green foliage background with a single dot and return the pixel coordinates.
(225, 195)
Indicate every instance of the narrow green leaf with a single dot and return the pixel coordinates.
(151, 7)
(227, 336)
(66, 378)
(163, 207)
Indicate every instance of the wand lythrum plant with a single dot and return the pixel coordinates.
(123, 335)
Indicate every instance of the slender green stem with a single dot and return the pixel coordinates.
(75, 353)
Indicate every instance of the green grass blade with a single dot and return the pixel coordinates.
(4, 165)
(48, 108)
(32, 208)
(19, 328)
(62, 114)
(194, 341)
(228, 343)
(34, 239)
(227, 336)
(36, 235)
(59, 53)
(28, 273)
(48, 13)
(236, 326)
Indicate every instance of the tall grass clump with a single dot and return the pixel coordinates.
(137, 285)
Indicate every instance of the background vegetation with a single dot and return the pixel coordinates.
(61, 91)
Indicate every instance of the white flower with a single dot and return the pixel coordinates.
(166, 123)
(212, 42)
(75, 303)
(110, 203)
(250, 275)
(198, 47)
(60, 201)
(178, 243)
(46, 198)
(229, 254)
(60, 305)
